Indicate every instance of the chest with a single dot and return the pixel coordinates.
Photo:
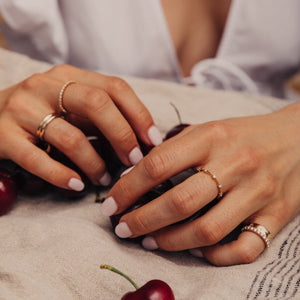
(196, 28)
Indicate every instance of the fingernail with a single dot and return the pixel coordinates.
(105, 179)
(149, 243)
(108, 207)
(76, 184)
(155, 135)
(126, 171)
(122, 230)
(196, 252)
(135, 155)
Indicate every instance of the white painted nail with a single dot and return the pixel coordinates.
(149, 243)
(76, 184)
(196, 252)
(122, 230)
(135, 155)
(155, 135)
(126, 171)
(105, 179)
(108, 207)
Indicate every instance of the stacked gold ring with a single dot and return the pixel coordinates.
(45, 122)
(259, 230)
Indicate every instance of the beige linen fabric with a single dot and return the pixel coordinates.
(51, 249)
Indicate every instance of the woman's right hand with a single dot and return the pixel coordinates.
(95, 102)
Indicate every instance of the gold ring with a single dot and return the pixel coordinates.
(259, 230)
(45, 122)
(61, 107)
(214, 178)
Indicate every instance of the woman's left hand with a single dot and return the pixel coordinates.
(257, 161)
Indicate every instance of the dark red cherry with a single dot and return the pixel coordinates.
(178, 128)
(29, 184)
(175, 130)
(8, 191)
(153, 289)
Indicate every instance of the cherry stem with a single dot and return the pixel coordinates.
(108, 267)
(177, 112)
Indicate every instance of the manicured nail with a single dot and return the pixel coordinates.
(122, 230)
(154, 135)
(196, 252)
(105, 179)
(108, 207)
(149, 243)
(126, 171)
(135, 155)
(76, 184)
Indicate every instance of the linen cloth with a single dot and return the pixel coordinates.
(52, 249)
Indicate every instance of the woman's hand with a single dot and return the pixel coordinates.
(95, 103)
(255, 159)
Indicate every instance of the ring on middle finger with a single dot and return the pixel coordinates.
(214, 178)
(62, 109)
(44, 123)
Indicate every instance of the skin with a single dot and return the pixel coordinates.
(256, 159)
(96, 102)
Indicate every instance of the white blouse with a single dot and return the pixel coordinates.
(259, 50)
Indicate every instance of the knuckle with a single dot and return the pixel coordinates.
(182, 202)
(123, 189)
(249, 159)
(118, 84)
(96, 101)
(62, 70)
(140, 222)
(32, 82)
(218, 130)
(16, 103)
(209, 232)
(72, 140)
(125, 135)
(268, 186)
(155, 164)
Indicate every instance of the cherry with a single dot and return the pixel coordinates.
(29, 184)
(178, 128)
(8, 191)
(153, 289)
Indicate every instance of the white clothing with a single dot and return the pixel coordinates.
(259, 50)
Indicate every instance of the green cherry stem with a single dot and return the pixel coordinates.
(108, 267)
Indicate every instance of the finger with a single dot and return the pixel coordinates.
(156, 167)
(210, 228)
(245, 249)
(37, 162)
(97, 106)
(175, 205)
(122, 94)
(73, 143)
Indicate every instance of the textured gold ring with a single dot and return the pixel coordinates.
(45, 122)
(214, 178)
(61, 107)
(259, 230)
